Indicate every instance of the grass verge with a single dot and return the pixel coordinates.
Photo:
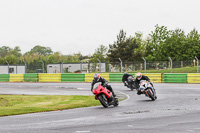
(23, 104)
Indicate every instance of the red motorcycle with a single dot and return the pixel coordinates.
(105, 96)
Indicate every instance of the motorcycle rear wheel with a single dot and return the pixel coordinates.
(103, 100)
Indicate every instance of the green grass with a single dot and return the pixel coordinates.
(23, 104)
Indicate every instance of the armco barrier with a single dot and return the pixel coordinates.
(175, 78)
(117, 77)
(154, 77)
(193, 78)
(54, 77)
(33, 77)
(72, 77)
(112, 77)
(16, 78)
(4, 77)
(90, 76)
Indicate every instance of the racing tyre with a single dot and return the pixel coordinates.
(153, 98)
(116, 102)
(103, 100)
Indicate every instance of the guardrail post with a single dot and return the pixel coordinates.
(88, 66)
(25, 65)
(197, 64)
(170, 63)
(8, 66)
(80, 64)
(42, 66)
(144, 64)
(61, 67)
(121, 64)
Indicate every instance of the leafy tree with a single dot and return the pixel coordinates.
(11, 59)
(2, 60)
(193, 43)
(16, 51)
(100, 53)
(41, 50)
(156, 45)
(4, 50)
(127, 49)
(9, 54)
(172, 43)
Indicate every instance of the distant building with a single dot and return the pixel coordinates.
(12, 69)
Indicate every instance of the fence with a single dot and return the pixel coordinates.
(139, 66)
(99, 67)
(111, 77)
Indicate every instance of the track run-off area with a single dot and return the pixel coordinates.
(177, 110)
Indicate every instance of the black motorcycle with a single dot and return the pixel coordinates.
(130, 83)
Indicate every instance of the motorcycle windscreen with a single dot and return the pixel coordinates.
(143, 85)
(96, 86)
(142, 88)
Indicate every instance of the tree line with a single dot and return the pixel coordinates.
(161, 44)
(158, 46)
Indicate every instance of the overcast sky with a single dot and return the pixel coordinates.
(72, 26)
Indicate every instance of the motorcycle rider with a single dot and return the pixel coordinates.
(125, 78)
(104, 83)
(140, 77)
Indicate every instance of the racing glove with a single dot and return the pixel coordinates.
(104, 85)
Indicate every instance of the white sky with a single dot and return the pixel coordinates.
(72, 26)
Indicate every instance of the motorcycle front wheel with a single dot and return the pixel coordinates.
(152, 95)
(103, 100)
(116, 102)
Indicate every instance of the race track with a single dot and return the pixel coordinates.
(177, 110)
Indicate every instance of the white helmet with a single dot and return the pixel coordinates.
(139, 76)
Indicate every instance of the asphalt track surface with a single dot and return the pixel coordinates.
(177, 110)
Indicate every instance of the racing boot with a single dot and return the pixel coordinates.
(113, 94)
(139, 92)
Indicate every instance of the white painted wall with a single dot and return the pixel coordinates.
(16, 69)
(72, 67)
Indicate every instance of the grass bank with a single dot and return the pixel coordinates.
(23, 104)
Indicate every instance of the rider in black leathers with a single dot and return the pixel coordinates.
(125, 78)
(140, 77)
(103, 81)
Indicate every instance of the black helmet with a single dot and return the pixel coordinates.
(130, 78)
(96, 77)
(125, 73)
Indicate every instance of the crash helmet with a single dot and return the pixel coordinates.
(139, 76)
(96, 77)
(130, 78)
(125, 73)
